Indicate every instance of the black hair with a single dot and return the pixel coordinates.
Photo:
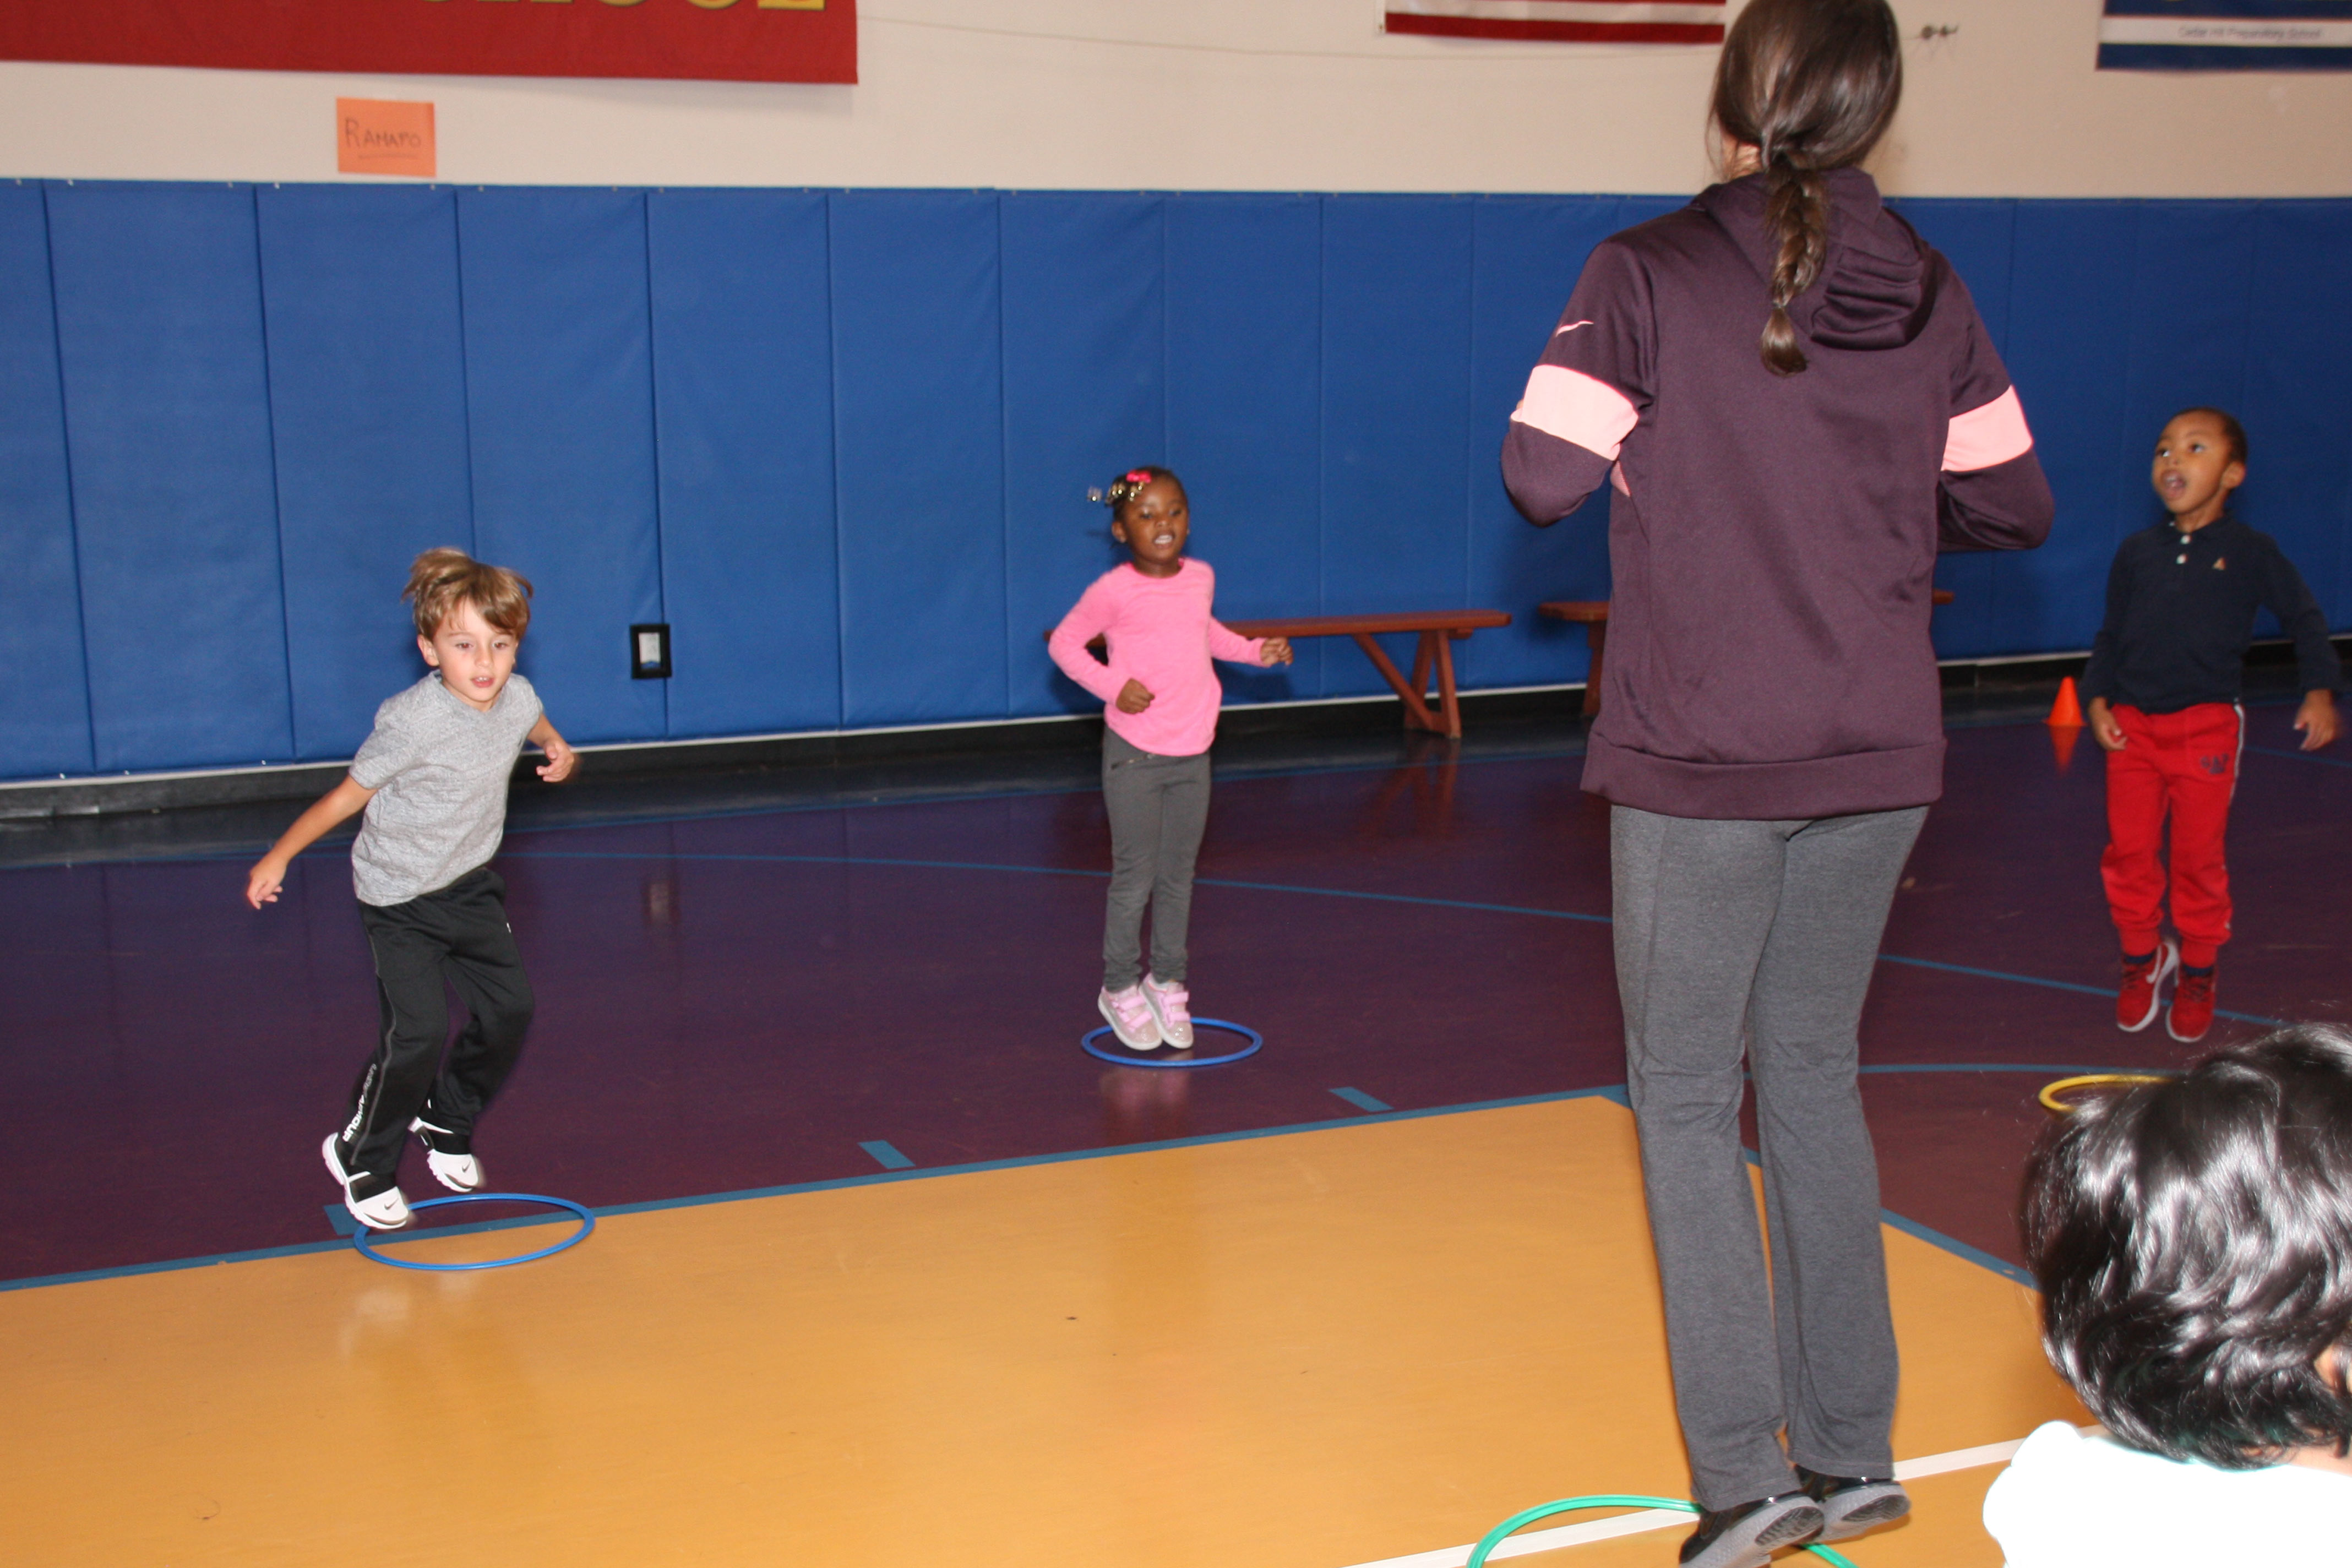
(2193, 1241)
(1810, 85)
(2230, 428)
(1131, 484)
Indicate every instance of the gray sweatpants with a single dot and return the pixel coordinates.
(1158, 808)
(1759, 938)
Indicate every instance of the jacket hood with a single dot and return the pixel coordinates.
(1875, 290)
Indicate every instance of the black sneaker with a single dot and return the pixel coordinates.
(1851, 1504)
(1747, 1535)
(449, 1156)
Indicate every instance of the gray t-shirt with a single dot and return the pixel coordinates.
(439, 767)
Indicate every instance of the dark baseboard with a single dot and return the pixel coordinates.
(30, 801)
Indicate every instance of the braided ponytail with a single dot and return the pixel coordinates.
(1796, 211)
(1810, 85)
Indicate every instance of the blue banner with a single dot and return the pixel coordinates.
(2226, 35)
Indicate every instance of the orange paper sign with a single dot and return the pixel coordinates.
(379, 136)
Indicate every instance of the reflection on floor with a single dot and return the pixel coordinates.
(1310, 1350)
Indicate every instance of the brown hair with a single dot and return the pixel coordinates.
(443, 579)
(2232, 430)
(1810, 85)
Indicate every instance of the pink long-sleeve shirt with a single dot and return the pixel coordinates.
(1157, 630)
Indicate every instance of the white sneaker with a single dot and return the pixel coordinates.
(388, 1210)
(1172, 1009)
(1131, 1019)
(455, 1169)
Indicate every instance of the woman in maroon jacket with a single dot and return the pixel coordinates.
(1771, 732)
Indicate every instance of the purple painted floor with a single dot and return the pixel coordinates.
(743, 1000)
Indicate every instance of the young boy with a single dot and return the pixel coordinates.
(432, 778)
(2191, 1238)
(2163, 685)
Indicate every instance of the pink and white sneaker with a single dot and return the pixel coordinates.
(1131, 1018)
(1171, 1010)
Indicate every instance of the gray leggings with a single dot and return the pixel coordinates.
(1759, 938)
(1158, 807)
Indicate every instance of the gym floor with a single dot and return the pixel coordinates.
(886, 1267)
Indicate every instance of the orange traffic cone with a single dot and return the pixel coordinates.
(2067, 714)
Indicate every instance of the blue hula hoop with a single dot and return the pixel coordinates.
(587, 1224)
(1126, 1058)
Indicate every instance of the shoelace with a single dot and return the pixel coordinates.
(1133, 1010)
(1174, 1002)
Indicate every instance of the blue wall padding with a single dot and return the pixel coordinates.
(1396, 410)
(367, 376)
(2299, 344)
(1086, 398)
(44, 715)
(175, 509)
(1527, 248)
(2071, 309)
(841, 441)
(1244, 411)
(919, 412)
(742, 379)
(559, 396)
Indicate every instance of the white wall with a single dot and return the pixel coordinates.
(1223, 95)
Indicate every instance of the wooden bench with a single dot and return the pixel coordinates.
(1438, 631)
(1593, 615)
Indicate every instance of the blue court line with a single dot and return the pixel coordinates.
(1312, 892)
(887, 1156)
(1934, 1238)
(1362, 1101)
(914, 1173)
(1615, 1093)
(2058, 985)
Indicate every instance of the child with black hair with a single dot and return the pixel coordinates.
(1160, 697)
(2193, 1241)
(2162, 700)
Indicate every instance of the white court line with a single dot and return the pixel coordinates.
(1649, 1518)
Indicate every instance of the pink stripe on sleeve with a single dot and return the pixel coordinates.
(1576, 408)
(1987, 436)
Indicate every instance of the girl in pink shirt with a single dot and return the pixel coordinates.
(1161, 699)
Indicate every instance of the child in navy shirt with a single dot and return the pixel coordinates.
(2163, 685)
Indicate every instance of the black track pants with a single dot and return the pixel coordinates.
(455, 937)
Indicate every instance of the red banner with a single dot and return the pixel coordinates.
(709, 40)
(1563, 21)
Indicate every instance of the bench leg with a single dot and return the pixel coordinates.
(1417, 715)
(1596, 636)
(1448, 704)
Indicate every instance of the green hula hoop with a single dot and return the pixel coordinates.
(1517, 1521)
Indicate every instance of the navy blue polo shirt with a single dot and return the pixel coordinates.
(2180, 611)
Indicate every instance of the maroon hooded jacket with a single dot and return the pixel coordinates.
(1773, 541)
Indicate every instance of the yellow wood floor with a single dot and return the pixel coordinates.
(1309, 1350)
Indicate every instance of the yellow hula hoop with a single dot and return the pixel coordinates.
(2050, 1092)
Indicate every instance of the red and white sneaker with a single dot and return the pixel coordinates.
(2140, 1001)
(2193, 1006)
(1130, 1018)
(1172, 1009)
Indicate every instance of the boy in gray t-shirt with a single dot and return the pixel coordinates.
(432, 778)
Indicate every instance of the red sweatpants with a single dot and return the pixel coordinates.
(2185, 763)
